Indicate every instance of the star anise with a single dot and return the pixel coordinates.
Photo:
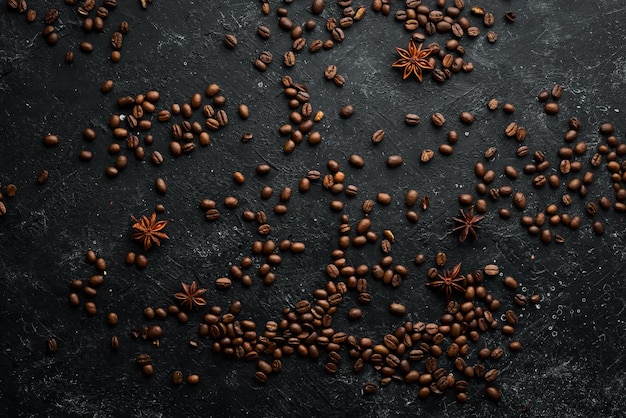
(449, 281)
(190, 296)
(468, 224)
(413, 60)
(148, 230)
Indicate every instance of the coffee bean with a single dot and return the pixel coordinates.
(412, 119)
(42, 177)
(491, 153)
(467, 118)
(519, 200)
(263, 32)
(90, 308)
(446, 149)
(160, 185)
(397, 309)
(193, 379)
(51, 140)
(557, 91)
(546, 236)
(383, 198)
(86, 46)
(598, 227)
(51, 345)
(438, 119)
(230, 41)
(289, 59)
(491, 270)
(356, 161)
(411, 198)
(606, 128)
(394, 161)
(493, 104)
(346, 111)
(492, 393)
(551, 108)
(330, 72)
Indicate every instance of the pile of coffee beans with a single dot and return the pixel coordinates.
(438, 356)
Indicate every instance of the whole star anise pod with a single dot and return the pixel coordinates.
(190, 296)
(148, 230)
(413, 60)
(449, 281)
(467, 224)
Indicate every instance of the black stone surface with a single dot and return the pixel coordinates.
(572, 362)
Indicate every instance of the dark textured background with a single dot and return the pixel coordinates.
(572, 361)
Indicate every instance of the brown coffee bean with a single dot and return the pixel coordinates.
(356, 161)
(346, 111)
(519, 200)
(112, 318)
(378, 136)
(230, 41)
(160, 185)
(394, 161)
(557, 91)
(383, 198)
(446, 149)
(51, 140)
(492, 393)
(491, 270)
(412, 119)
(551, 108)
(90, 308)
(511, 130)
(491, 153)
(493, 104)
(438, 119)
(467, 118)
(193, 379)
(397, 309)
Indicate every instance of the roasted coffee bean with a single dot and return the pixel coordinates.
(346, 111)
(493, 104)
(230, 41)
(263, 32)
(519, 200)
(446, 149)
(467, 118)
(491, 153)
(397, 309)
(51, 345)
(511, 129)
(42, 177)
(427, 155)
(51, 140)
(394, 161)
(412, 119)
(356, 161)
(160, 185)
(330, 72)
(438, 119)
(86, 46)
(378, 136)
(289, 59)
(551, 108)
